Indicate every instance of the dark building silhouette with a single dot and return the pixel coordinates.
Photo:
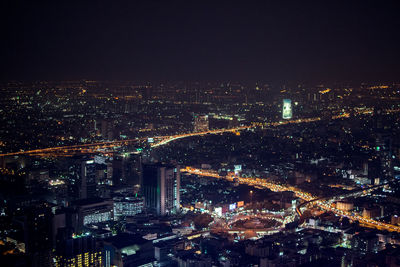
(160, 188)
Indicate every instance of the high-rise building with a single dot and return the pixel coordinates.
(287, 109)
(160, 188)
(201, 123)
(383, 148)
(88, 179)
(107, 128)
(37, 233)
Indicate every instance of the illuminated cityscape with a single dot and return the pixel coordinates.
(200, 134)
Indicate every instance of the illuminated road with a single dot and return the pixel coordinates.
(99, 147)
(362, 191)
(74, 149)
(167, 139)
(65, 151)
(313, 200)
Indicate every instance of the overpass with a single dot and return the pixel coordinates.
(108, 146)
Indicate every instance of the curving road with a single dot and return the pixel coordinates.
(319, 202)
(160, 140)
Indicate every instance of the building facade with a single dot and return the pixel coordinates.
(88, 179)
(160, 188)
(78, 251)
(127, 206)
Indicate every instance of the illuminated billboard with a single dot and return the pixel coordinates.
(232, 206)
(287, 109)
(240, 204)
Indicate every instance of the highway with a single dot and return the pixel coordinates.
(99, 147)
(363, 191)
(84, 148)
(167, 139)
(92, 148)
(322, 203)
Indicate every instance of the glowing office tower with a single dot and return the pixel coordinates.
(160, 188)
(287, 109)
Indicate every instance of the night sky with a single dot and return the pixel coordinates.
(200, 40)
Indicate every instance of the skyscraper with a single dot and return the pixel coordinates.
(88, 179)
(160, 188)
(287, 109)
(107, 128)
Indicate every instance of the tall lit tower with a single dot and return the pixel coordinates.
(160, 188)
(88, 179)
(287, 109)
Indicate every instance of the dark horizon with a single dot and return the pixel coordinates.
(200, 41)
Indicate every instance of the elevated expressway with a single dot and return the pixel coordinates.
(107, 147)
